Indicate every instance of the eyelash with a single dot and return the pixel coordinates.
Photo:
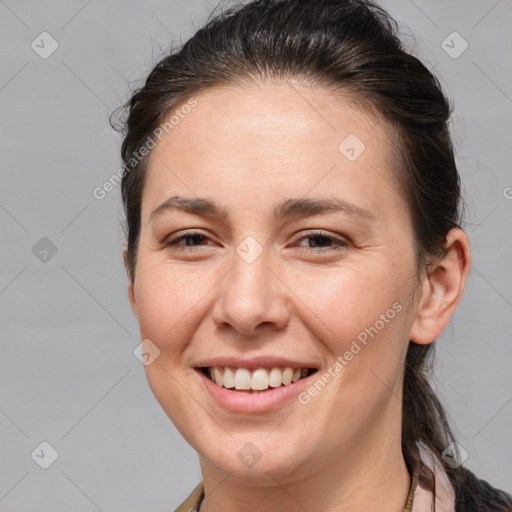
(342, 244)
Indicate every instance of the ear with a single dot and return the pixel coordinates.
(441, 289)
(131, 291)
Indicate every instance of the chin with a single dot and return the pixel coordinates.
(255, 456)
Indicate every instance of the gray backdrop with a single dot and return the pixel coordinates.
(68, 373)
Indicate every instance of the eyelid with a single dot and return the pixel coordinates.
(340, 241)
(175, 237)
(319, 232)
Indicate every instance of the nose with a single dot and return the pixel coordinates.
(252, 298)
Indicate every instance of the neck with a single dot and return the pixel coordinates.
(369, 475)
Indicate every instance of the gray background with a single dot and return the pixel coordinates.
(68, 375)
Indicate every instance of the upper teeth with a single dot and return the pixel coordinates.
(260, 379)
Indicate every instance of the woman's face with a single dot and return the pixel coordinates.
(275, 279)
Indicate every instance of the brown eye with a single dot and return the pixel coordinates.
(192, 239)
(322, 241)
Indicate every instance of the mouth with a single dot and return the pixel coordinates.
(257, 380)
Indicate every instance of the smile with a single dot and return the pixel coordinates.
(255, 380)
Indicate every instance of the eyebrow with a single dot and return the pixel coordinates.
(287, 209)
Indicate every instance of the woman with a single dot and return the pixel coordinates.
(294, 249)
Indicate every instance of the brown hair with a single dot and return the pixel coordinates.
(351, 46)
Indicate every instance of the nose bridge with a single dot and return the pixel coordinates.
(250, 293)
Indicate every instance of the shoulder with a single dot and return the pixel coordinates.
(458, 490)
(476, 494)
(193, 502)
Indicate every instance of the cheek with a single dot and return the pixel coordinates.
(168, 300)
(366, 320)
(346, 301)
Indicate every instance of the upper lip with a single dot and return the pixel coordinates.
(254, 362)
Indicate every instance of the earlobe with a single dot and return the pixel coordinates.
(441, 289)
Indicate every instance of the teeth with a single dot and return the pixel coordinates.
(229, 378)
(287, 376)
(242, 379)
(218, 376)
(275, 378)
(259, 380)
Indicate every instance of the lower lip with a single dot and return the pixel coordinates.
(260, 401)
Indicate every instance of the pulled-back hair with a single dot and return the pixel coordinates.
(350, 46)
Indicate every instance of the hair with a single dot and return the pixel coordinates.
(350, 46)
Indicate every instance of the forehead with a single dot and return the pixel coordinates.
(293, 113)
(268, 140)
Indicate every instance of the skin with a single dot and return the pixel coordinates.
(249, 149)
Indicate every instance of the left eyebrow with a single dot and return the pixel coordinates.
(287, 209)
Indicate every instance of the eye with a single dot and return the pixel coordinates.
(190, 238)
(321, 238)
(197, 239)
